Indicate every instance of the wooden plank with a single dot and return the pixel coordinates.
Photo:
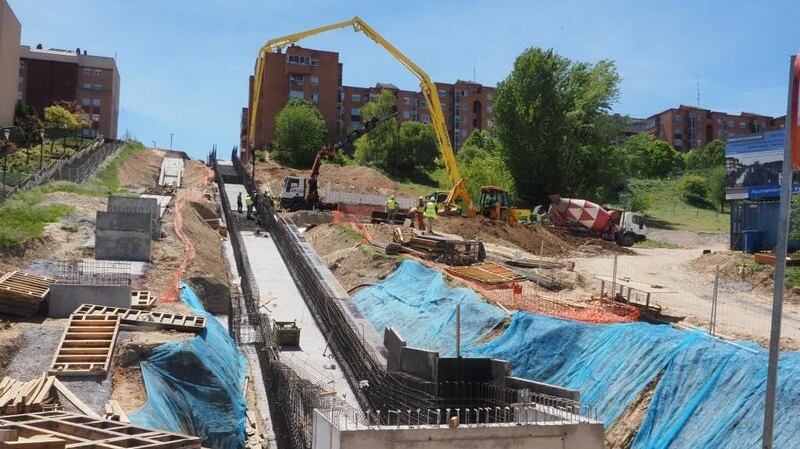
(77, 403)
(158, 320)
(84, 344)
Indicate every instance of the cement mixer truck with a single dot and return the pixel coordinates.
(585, 217)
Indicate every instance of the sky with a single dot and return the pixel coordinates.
(184, 64)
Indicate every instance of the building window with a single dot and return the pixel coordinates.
(442, 93)
(87, 86)
(314, 97)
(97, 86)
(98, 71)
(315, 62)
(297, 59)
(373, 97)
(489, 109)
(355, 114)
(87, 71)
(296, 94)
(86, 101)
(95, 117)
(426, 118)
(743, 125)
(19, 96)
(678, 117)
(729, 123)
(406, 115)
(296, 78)
(315, 81)
(95, 102)
(355, 98)
(406, 101)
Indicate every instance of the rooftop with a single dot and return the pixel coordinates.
(69, 56)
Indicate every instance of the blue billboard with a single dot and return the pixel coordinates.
(754, 165)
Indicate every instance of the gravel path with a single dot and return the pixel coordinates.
(742, 313)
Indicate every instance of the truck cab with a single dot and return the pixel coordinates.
(631, 228)
(293, 193)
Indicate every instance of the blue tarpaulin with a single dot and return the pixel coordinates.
(709, 393)
(196, 386)
(417, 302)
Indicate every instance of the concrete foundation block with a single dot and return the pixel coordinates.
(138, 205)
(123, 236)
(65, 298)
(420, 363)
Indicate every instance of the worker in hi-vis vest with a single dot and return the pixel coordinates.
(391, 208)
(430, 214)
(248, 201)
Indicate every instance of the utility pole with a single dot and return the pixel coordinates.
(171, 135)
(780, 258)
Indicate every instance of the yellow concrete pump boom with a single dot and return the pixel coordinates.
(429, 90)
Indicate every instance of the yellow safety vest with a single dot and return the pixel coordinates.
(248, 201)
(391, 204)
(430, 210)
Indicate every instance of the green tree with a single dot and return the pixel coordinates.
(481, 163)
(551, 116)
(713, 155)
(647, 157)
(417, 150)
(57, 116)
(717, 183)
(299, 133)
(26, 119)
(376, 147)
(694, 191)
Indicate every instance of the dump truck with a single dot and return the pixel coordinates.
(585, 217)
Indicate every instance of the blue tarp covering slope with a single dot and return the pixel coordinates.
(609, 364)
(195, 386)
(417, 302)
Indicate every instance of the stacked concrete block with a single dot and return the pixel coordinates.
(137, 205)
(123, 236)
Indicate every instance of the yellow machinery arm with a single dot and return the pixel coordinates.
(429, 90)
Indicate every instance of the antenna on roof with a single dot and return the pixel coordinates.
(474, 71)
(698, 91)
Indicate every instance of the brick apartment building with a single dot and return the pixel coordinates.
(688, 127)
(10, 30)
(316, 76)
(47, 76)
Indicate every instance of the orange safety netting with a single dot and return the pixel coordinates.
(189, 253)
(526, 296)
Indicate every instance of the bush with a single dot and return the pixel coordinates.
(694, 191)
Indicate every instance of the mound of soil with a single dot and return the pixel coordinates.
(349, 259)
(735, 267)
(141, 170)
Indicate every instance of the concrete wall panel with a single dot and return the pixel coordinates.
(420, 363)
(123, 236)
(64, 299)
(140, 206)
(393, 343)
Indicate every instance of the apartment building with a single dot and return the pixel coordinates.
(316, 76)
(47, 76)
(10, 30)
(688, 127)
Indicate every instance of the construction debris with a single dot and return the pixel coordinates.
(768, 258)
(486, 273)
(115, 413)
(541, 264)
(86, 346)
(142, 300)
(147, 320)
(77, 431)
(21, 293)
(450, 251)
(27, 397)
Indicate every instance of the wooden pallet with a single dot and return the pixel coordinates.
(78, 431)
(152, 320)
(86, 346)
(486, 273)
(21, 293)
(142, 300)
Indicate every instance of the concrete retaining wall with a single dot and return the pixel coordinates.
(542, 388)
(123, 236)
(420, 363)
(393, 343)
(64, 298)
(137, 205)
(553, 435)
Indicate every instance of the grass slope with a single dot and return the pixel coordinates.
(22, 217)
(668, 211)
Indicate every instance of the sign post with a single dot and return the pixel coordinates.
(780, 254)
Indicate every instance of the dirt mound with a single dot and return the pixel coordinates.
(141, 170)
(529, 238)
(735, 267)
(349, 259)
(304, 218)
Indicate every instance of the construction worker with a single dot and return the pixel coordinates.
(430, 214)
(239, 202)
(421, 214)
(391, 208)
(249, 203)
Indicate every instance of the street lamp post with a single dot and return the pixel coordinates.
(41, 148)
(171, 135)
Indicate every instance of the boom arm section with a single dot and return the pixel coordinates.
(429, 91)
